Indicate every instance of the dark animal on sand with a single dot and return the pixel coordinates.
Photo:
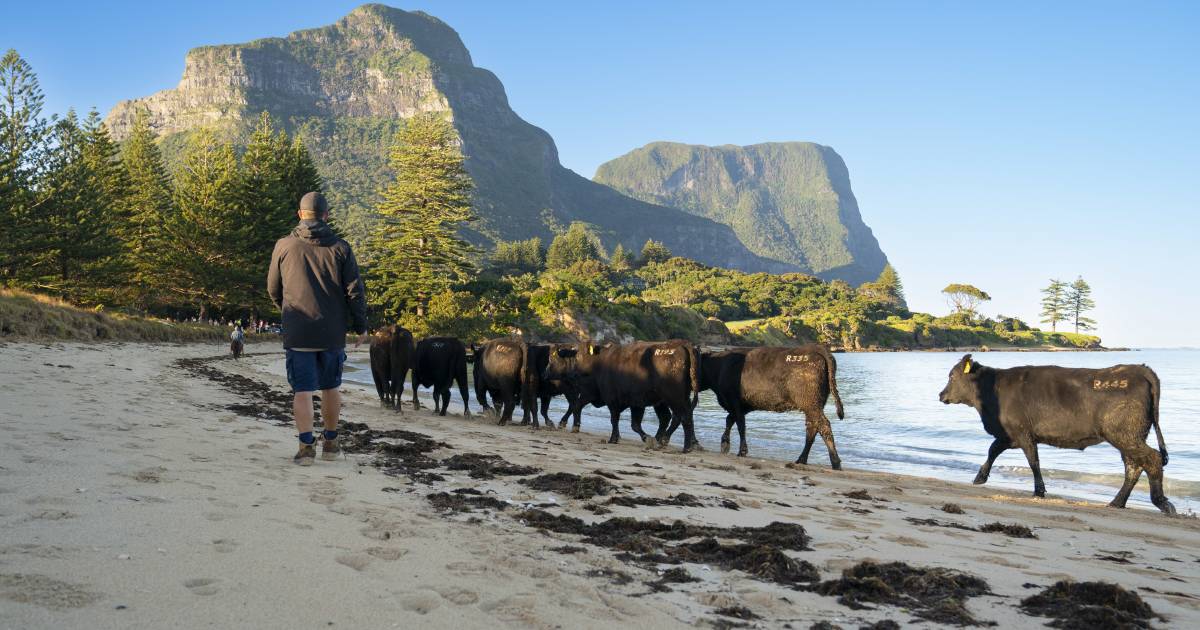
(503, 371)
(392, 351)
(539, 358)
(237, 347)
(798, 378)
(438, 362)
(1022, 407)
(634, 376)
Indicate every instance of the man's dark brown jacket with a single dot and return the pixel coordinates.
(315, 283)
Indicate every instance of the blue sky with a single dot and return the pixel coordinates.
(998, 144)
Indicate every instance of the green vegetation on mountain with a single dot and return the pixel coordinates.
(787, 201)
(345, 89)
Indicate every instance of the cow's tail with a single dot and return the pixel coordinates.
(694, 372)
(528, 385)
(831, 371)
(1154, 389)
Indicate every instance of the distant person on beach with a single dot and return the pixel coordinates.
(237, 341)
(314, 282)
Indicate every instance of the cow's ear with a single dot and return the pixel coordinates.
(593, 349)
(967, 365)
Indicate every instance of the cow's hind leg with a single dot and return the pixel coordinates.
(635, 422)
(1144, 457)
(821, 421)
(744, 447)
(810, 434)
(544, 409)
(415, 401)
(998, 446)
(614, 414)
(1031, 454)
(1132, 472)
(729, 422)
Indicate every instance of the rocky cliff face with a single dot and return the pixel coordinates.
(788, 201)
(345, 89)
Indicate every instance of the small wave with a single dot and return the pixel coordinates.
(1173, 487)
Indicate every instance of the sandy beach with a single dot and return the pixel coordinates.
(145, 486)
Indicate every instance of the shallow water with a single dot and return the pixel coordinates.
(895, 423)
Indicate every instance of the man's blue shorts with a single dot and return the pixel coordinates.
(315, 371)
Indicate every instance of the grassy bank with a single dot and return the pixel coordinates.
(32, 317)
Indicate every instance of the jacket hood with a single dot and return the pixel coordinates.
(315, 232)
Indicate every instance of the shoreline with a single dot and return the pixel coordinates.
(152, 494)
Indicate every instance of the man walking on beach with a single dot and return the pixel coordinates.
(314, 282)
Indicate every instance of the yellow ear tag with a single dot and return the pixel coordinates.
(967, 368)
(591, 349)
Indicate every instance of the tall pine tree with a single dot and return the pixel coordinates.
(1079, 301)
(147, 208)
(24, 150)
(81, 191)
(1054, 303)
(415, 252)
(203, 257)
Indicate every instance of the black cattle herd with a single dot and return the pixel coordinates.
(1020, 407)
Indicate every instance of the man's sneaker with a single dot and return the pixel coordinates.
(330, 449)
(306, 455)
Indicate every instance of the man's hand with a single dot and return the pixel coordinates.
(363, 338)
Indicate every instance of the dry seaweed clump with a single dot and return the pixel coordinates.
(952, 508)
(464, 501)
(397, 452)
(759, 551)
(1089, 605)
(573, 486)
(932, 593)
(682, 499)
(1012, 530)
(674, 575)
(487, 466)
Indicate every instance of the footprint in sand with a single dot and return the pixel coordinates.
(420, 602)
(517, 607)
(44, 591)
(387, 553)
(202, 586)
(457, 595)
(225, 545)
(356, 561)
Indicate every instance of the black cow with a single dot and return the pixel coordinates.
(503, 370)
(539, 358)
(634, 376)
(391, 353)
(1022, 407)
(799, 378)
(437, 362)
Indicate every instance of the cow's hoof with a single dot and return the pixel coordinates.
(1167, 508)
(525, 423)
(1039, 495)
(697, 447)
(575, 429)
(614, 441)
(743, 452)
(649, 441)
(837, 466)
(562, 425)
(980, 480)
(724, 447)
(502, 422)
(533, 427)
(467, 415)
(1118, 506)
(550, 426)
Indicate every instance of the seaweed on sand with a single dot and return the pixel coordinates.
(682, 499)
(573, 486)
(932, 593)
(464, 502)
(397, 452)
(1012, 530)
(1088, 605)
(759, 551)
(487, 466)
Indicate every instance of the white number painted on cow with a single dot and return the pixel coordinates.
(1100, 385)
(658, 352)
(437, 344)
(796, 358)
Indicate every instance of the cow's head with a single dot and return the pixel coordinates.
(569, 362)
(963, 386)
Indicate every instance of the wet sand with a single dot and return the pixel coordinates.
(140, 492)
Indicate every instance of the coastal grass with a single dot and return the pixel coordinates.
(34, 317)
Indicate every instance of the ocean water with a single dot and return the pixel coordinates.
(895, 423)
